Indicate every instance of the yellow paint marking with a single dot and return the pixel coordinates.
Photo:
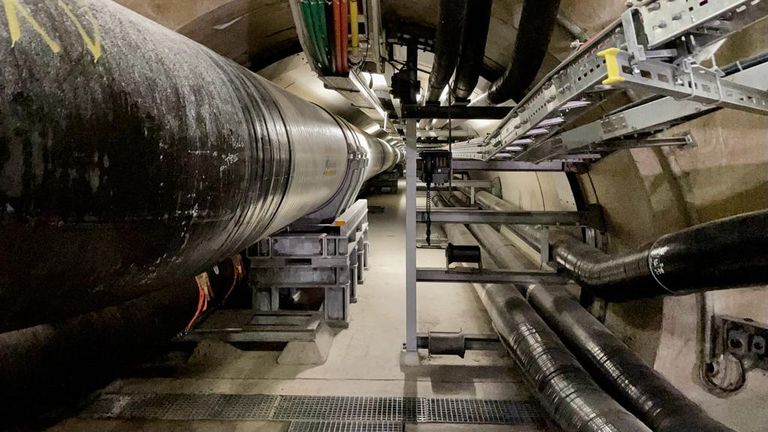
(92, 43)
(612, 64)
(12, 10)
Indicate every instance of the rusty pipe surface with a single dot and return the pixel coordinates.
(132, 158)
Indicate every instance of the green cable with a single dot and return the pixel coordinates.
(322, 31)
(306, 13)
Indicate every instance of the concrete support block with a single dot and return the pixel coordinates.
(309, 353)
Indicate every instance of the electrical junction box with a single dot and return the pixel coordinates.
(434, 167)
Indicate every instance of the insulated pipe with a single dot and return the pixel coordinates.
(562, 386)
(344, 26)
(353, 27)
(475, 36)
(132, 159)
(635, 384)
(447, 44)
(537, 22)
(42, 365)
(337, 35)
(723, 254)
(616, 367)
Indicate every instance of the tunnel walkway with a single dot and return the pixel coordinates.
(363, 365)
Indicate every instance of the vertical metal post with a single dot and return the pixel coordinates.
(410, 236)
(409, 96)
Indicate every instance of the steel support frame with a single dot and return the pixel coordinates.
(647, 118)
(592, 217)
(626, 62)
(411, 343)
(467, 275)
(514, 166)
(331, 257)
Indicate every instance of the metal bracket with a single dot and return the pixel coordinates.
(632, 53)
(457, 343)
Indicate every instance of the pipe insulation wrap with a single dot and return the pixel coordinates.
(132, 159)
(723, 254)
(636, 385)
(478, 20)
(447, 44)
(562, 386)
(537, 22)
(614, 365)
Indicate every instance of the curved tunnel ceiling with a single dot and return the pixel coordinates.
(258, 33)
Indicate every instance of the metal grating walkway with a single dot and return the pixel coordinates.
(318, 413)
(345, 426)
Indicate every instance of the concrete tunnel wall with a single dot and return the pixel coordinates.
(645, 192)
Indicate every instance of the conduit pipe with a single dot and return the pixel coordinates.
(344, 36)
(336, 4)
(615, 366)
(478, 19)
(133, 159)
(635, 384)
(564, 388)
(723, 254)
(537, 22)
(449, 33)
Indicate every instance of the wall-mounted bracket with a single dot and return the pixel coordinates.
(635, 52)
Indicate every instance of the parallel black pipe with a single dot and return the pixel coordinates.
(723, 254)
(635, 384)
(447, 44)
(615, 366)
(537, 22)
(478, 20)
(564, 388)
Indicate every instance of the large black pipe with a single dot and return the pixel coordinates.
(723, 254)
(132, 159)
(478, 20)
(563, 387)
(447, 44)
(635, 384)
(44, 366)
(537, 22)
(615, 366)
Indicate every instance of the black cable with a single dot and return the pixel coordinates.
(429, 214)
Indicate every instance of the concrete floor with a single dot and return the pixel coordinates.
(364, 359)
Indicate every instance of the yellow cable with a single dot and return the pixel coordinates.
(353, 14)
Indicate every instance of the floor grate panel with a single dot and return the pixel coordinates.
(479, 412)
(345, 426)
(184, 406)
(357, 408)
(317, 413)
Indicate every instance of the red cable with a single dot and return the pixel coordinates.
(237, 265)
(344, 36)
(337, 33)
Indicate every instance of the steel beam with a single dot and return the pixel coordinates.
(631, 54)
(411, 276)
(592, 218)
(515, 166)
(646, 118)
(472, 342)
(455, 112)
(481, 184)
(465, 275)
